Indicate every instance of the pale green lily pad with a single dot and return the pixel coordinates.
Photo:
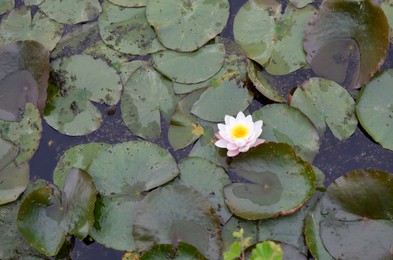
(80, 156)
(47, 214)
(182, 251)
(277, 182)
(387, 7)
(19, 25)
(33, 2)
(374, 109)
(300, 3)
(8, 152)
(77, 12)
(13, 181)
(184, 128)
(147, 95)
(234, 225)
(26, 133)
(190, 67)
(325, 102)
(80, 80)
(282, 123)
(184, 25)
(31, 56)
(127, 30)
(351, 37)
(129, 3)
(174, 214)
(6, 5)
(121, 173)
(209, 180)
(16, 90)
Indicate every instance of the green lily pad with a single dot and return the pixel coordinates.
(300, 3)
(13, 181)
(80, 156)
(387, 8)
(8, 152)
(187, 25)
(26, 133)
(348, 212)
(6, 5)
(31, 56)
(190, 67)
(33, 2)
(19, 25)
(235, 224)
(374, 110)
(184, 128)
(47, 214)
(316, 98)
(147, 95)
(127, 30)
(129, 3)
(121, 173)
(17, 89)
(77, 12)
(277, 182)
(183, 251)
(174, 214)
(352, 37)
(209, 180)
(282, 123)
(80, 80)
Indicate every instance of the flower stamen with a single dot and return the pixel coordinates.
(239, 131)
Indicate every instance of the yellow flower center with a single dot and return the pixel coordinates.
(239, 131)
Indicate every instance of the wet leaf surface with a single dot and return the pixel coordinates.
(8, 152)
(13, 181)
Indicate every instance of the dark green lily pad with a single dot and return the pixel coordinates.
(122, 173)
(80, 156)
(190, 67)
(174, 214)
(13, 181)
(47, 214)
(147, 95)
(374, 109)
(31, 56)
(276, 182)
(183, 251)
(359, 219)
(282, 123)
(77, 12)
(16, 90)
(127, 30)
(208, 179)
(352, 37)
(8, 152)
(316, 98)
(184, 128)
(80, 80)
(6, 5)
(129, 3)
(187, 25)
(19, 25)
(26, 133)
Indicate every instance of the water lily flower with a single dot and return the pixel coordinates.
(239, 134)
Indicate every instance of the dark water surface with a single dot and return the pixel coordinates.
(334, 159)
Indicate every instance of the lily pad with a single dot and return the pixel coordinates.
(374, 110)
(187, 25)
(387, 7)
(358, 34)
(26, 133)
(147, 95)
(282, 123)
(182, 251)
(316, 98)
(48, 214)
(184, 128)
(122, 173)
(208, 179)
(80, 80)
(301, 3)
(19, 25)
(6, 5)
(8, 152)
(190, 67)
(31, 56)
(77, 12)
(235, 224)
(127, 30)
(276, 182)
(129, 3)
(348, 212)
(13, 181)
(33, 2)
(80, 156)
(174, 214)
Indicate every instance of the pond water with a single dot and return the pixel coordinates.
(335, 157)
